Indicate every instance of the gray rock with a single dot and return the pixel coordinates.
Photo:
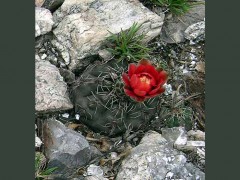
(175, 133)
(65, 148)
(154, 158)
(105, 54)
(43, 21)
(82, 26)
(50, 90)
(174, 27)
(69, 77)
(196, 135)
(195, 30)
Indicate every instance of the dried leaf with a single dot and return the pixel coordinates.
(73, 126)
(105, 145)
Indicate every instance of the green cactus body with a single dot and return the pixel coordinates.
(99, 98)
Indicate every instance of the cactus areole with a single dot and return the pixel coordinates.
(144, 81)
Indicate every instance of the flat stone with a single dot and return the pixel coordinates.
(51, 92)
(82, 26)
(65, 148)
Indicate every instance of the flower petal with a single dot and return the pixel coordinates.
(125, 79)
(155, 90)
(129, 93)
(162, 77)
(151, 70)
(140, 69)
(161, 90)
(131, 69)
(134, 96)
(134, 81)
(139, 92)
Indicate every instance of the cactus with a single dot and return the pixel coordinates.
(100, 100)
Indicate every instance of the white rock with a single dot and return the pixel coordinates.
(43, 21)
(50, 90)
(192, 57)
(193, 63)
(168, 89)
(43, 56)
(37, 30)
(38, 141)
(195, 30)
(94, 170)
(77, 116)
(185, 71)
(65, 115)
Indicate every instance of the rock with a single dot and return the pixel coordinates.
(38, 141)
(181, 140)
(43, 21)
(175, 133)
(69, 77)
(82, 26)
(52, 5)
(50, 90)
(95, 153)
(190, 146)
(196, 135)
(155, 158)
(39, 3)
(94, 170)
(105, 54)
(174, 27)
(168, 89)
(200, 67)
(65, 148)
(195, 30)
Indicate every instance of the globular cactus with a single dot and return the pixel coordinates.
(100, 100)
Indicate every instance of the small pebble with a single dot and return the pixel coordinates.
(185, 71)
(44, 56)
(193, 62)
(65, 115)
(77, 116)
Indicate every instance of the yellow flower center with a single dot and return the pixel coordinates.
(145, 79)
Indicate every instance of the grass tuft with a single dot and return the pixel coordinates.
(176, 7)
(128, 45)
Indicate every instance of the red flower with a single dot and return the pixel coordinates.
(144, 81)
